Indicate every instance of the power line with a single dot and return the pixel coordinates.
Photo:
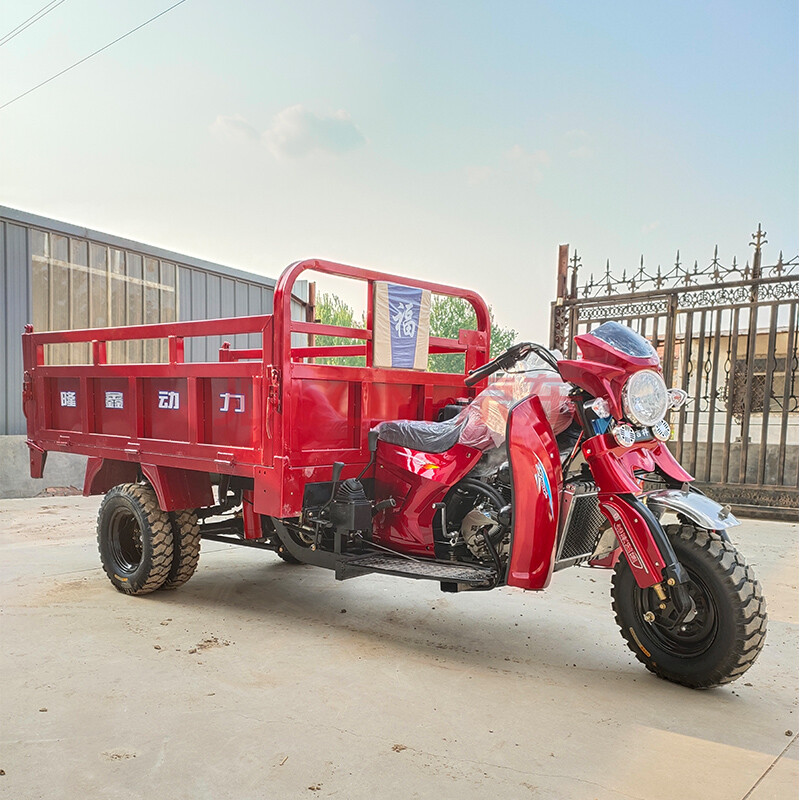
(92, 55)
(42, 12)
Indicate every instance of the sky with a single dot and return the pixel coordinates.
(460, 142)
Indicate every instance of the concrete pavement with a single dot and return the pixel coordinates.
(262, 680)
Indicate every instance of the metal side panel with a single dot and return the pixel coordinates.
(17, 311)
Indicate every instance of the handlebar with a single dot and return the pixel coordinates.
(510, 357)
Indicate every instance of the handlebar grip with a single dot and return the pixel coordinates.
(503, 361)
(477, 375)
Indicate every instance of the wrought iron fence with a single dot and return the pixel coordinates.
(728, 335)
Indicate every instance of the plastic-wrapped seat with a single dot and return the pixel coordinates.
(482, 423)
(429, 437)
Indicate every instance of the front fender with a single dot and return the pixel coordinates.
(647, 548)
(697, 507)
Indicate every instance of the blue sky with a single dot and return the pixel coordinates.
(456, 141)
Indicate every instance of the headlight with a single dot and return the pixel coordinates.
(644, 398)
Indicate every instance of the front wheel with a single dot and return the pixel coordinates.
(721, 640)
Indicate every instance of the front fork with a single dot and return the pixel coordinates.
(648, 550)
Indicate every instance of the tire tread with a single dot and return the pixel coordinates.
(186, 547)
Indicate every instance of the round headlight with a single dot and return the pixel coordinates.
(645, 398)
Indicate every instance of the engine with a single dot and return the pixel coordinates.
(477, 514)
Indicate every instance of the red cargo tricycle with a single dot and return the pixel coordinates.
(517, 468)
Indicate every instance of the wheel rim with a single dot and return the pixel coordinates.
(125, 537)
(689, 639)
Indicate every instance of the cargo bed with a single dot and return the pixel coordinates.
(269, 415)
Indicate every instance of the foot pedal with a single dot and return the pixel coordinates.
(426, 570)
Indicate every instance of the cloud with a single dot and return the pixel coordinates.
(579, 144)
(577, 135)
(584, 151)
(530, 160)
(235, 127)
(477, 175)
(297, 132)
(516, 162)
(534, 158)
(650, 227)
(527, 163)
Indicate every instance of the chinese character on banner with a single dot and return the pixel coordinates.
(404, 320)
(69, 399)
(114, 400)
(167, 399)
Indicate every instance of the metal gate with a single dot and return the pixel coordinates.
(728, 336)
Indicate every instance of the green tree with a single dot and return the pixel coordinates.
(332, 310)
(449, 315)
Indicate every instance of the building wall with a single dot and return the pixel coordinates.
(59, 276)
(15, 287)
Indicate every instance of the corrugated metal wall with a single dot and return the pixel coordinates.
(60, 276)
(15, 284)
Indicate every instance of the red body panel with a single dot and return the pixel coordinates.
(603, 371)
(536, 472)
(613, 464)
(251, 522)
(416, 481)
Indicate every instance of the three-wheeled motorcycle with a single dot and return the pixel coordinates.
(535, 464)
(493, 497)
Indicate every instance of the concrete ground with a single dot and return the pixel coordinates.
(262, 680)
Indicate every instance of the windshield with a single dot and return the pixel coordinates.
(622, 338)
(485, 419)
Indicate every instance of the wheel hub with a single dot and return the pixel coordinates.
(126, 540)
(686, 636)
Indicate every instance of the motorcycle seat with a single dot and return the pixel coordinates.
(429, 437)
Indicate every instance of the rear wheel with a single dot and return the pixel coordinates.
(134, 537)
(185, 549)
(722, 638)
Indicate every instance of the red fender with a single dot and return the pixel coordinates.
(636, 540)
(536, 475)
(176, 489)
(179, 488)
(103, 474)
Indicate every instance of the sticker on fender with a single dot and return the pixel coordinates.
(543, 482)
(623, 539)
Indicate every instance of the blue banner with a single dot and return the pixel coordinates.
(404, 306)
